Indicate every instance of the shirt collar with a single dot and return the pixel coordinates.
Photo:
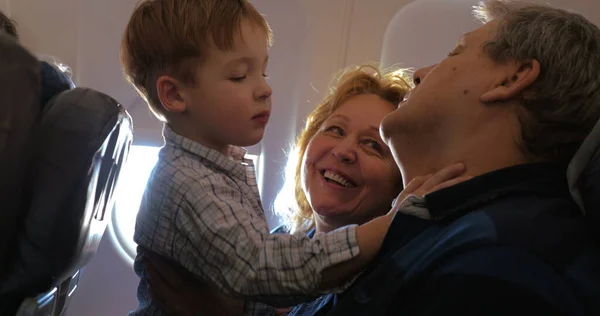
(234, 162)
(412, 217)
(538, 178)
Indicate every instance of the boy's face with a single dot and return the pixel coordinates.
(230, 103)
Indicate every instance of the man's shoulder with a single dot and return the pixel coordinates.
(484, 233)
(495, 273)
(507, 275)
(512, 264)
(467, 248)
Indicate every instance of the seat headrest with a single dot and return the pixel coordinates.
(583, 176)
(54, 82)
(60, 66)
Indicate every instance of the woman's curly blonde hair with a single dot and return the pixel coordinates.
(391, 85)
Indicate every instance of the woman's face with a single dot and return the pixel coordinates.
(348, 173)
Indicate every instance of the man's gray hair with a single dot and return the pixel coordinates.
(566, 96)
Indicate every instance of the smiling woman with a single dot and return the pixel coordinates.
(340, 171)
(349, 175)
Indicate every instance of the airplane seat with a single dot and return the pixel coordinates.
(583, 175)
(54, 81)
(20, 91)
(69, 157)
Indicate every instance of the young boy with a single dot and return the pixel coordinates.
(200, 65)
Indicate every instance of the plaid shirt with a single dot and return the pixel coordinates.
(202, 209)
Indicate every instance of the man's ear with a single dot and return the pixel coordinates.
(520, 76)
(170, 93)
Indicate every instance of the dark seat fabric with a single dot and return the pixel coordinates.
(20, 91)
(79, 147)
(583, 175)
(53, 82)
(61, 151)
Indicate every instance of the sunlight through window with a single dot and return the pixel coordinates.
(130, 189)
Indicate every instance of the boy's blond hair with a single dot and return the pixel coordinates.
(170, 37)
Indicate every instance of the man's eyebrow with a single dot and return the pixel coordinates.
(463, 39)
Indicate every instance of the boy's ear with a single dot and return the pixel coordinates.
(170, 94)
(519, 76)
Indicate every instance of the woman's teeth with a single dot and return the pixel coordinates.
(332, 176)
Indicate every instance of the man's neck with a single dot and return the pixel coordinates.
(478, 153)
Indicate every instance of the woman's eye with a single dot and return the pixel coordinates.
(335, 129)
(374, 144)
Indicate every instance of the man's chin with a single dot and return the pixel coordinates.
(389, 127)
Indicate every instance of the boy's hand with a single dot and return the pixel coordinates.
(179, 293)
(420, 186)
(282, 311)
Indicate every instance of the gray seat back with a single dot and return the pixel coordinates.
(20, 92)
(59, 163)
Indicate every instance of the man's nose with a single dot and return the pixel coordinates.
(420, 74)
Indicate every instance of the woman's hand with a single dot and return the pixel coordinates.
(178, 292)
(420, 186)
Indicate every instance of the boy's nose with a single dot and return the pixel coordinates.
(265, 91)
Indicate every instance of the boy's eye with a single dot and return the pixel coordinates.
(237, 79)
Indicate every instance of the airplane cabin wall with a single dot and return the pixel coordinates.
(425, 31)
(5, 6)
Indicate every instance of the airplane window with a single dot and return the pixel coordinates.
(130, 189)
